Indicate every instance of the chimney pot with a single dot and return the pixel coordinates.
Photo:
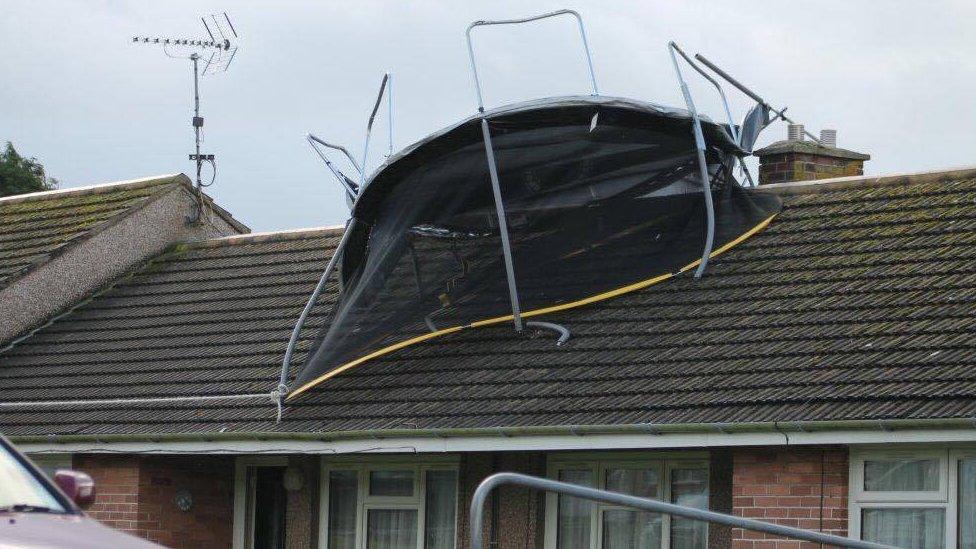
(828, 138)
(794, 132)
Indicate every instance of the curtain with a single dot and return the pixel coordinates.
(391, 483)
(391, 529)
(904, 527)
(627, 529)
(440, 509)
(915, 475)
(967, 504)
(343, 491)
(689, 487)
(573, 520)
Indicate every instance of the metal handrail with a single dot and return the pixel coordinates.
(579, 21)
(484, 489)
(702, 165)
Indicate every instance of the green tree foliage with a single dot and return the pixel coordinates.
(20, 175)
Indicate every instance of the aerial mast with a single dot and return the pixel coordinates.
(221, 54)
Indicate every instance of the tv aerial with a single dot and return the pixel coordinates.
(219, 53)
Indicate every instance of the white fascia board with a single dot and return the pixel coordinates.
(510, 443)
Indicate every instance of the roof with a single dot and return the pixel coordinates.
(35, 227)
(855, 303)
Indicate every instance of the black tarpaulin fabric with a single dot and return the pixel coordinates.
(602, 196)
(755, 122)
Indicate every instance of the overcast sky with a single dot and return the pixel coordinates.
(896, 79)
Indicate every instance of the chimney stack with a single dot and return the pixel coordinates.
(797, 159)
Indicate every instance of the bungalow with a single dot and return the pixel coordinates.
(820, 375)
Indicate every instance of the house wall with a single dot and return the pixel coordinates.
(136, 494)
(85, 267)
(803, 487)
(116, 490)
(520, 511)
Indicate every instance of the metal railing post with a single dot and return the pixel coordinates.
(369, 128)
(484, 489)
(582, 31)
(490, 153)
(496, 191)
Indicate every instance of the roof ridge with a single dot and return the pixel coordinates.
(267, 236)
(862, 181)
(99, 188)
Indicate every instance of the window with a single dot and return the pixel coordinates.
(920, 498)
(389, 505)
(573, 523)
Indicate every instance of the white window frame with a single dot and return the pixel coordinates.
(946, 498)
(599, 463)
(244, 529)
(420, 467)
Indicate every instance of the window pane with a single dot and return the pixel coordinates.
(343, 490)
(967, 504)
(907, 475)
(573, 515)
(391, 529)
(391, 483)
(904, 527)
(440, 507)
(689, 487)
(625, 529)
(636, 482)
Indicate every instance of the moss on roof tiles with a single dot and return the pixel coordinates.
(855, 303)
(34, 228)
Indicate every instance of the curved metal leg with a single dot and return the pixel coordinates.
(702, 165)
(562, 330)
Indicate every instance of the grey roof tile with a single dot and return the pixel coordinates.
(854, 303)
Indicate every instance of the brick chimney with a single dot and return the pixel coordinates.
(796, 159)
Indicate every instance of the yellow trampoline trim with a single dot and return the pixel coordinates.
(535, 312)
(370, 356)
(731, 244)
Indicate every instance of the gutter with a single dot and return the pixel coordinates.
(783, 428)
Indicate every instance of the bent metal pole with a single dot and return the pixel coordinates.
(702, 165)
(655, 506)
(293, 340)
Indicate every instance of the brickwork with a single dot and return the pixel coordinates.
(136, 494)
(800, 487)
(116, 489)
(209, 479)
(794, 166)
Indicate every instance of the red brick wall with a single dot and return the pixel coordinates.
(209, 479)
(116, 489)
(135, 494)
(800, 487)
